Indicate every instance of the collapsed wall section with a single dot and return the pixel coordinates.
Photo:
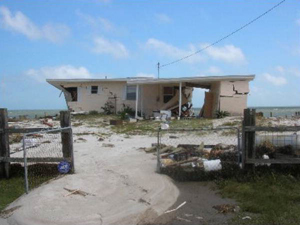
(233, 96)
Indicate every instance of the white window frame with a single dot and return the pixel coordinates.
(126, 92)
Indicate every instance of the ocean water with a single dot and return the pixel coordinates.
(276, 112)
(31, 114)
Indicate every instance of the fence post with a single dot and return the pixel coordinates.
(67, 137)
(158, 169)
(4, 143)
(248, 136)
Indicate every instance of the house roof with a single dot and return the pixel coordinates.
(207, 79)
(148, 80)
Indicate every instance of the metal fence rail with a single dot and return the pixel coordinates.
(203, 150)
(42, 151)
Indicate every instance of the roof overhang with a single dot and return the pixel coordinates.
(196, 80)
(202, 81)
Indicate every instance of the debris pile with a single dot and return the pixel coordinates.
(188, 156)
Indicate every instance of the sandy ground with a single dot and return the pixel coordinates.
(123, 185)
(122, 182)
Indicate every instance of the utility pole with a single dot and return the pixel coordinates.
(158, 66)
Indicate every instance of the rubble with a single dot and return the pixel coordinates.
(188, 156)
(108, 145)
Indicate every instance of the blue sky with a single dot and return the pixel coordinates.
(97, 38)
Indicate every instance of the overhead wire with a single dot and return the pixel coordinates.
(225, 37)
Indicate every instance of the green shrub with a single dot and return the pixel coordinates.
(222, 114)
(126, 111)
(108, 108)
(93, 112)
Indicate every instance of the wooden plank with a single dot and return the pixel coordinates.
(67, 137)
(274, 161)
(4, 144)
(36, 160)
(273, 129)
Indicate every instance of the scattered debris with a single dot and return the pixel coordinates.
(107, 145)
(115, 122)
(246, 218)
(8, 212)
(131, 120)
(188, 215)
(199, 217)
(77, 192)
(36, 135)
(173, 137)
(151, 149)
(178, 207)
(45, 122)
(225, 208)
(141, 200)
(182, 219)
(189, 156)
(81, 139)
(100, 139)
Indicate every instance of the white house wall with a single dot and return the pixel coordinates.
(233, 96)
(89, 102)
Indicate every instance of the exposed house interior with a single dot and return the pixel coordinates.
(149, 96)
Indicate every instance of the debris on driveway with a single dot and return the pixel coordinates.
(172, 210)
(76, 192)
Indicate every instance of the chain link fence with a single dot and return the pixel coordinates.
(198, 154)
(42, 153)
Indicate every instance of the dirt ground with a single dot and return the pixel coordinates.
(200, 197)
(123, 185)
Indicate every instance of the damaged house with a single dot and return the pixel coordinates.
(148, 96)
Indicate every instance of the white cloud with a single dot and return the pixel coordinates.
(214, 70)
(22, 24)
(288, 71)
(59, 72)
(145, 75)
(227, 53)
(173, 52)
(97, 22)
(163, 18)
(275, 80)
(114, 48)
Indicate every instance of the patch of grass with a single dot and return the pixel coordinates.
(13, 188)
(98, 119)
(150, 127)
(235, 123)
(267, 199)
(230, 132)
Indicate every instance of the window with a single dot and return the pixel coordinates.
(94, 90)
(168, 94)
(131, 92)
(73, 93)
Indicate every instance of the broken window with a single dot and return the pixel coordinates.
(73, 92)
(131, 92)
(168, 94)
(94, 90)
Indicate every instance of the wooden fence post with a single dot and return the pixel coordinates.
(4, 143)
(248, 136)
(67, 138)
